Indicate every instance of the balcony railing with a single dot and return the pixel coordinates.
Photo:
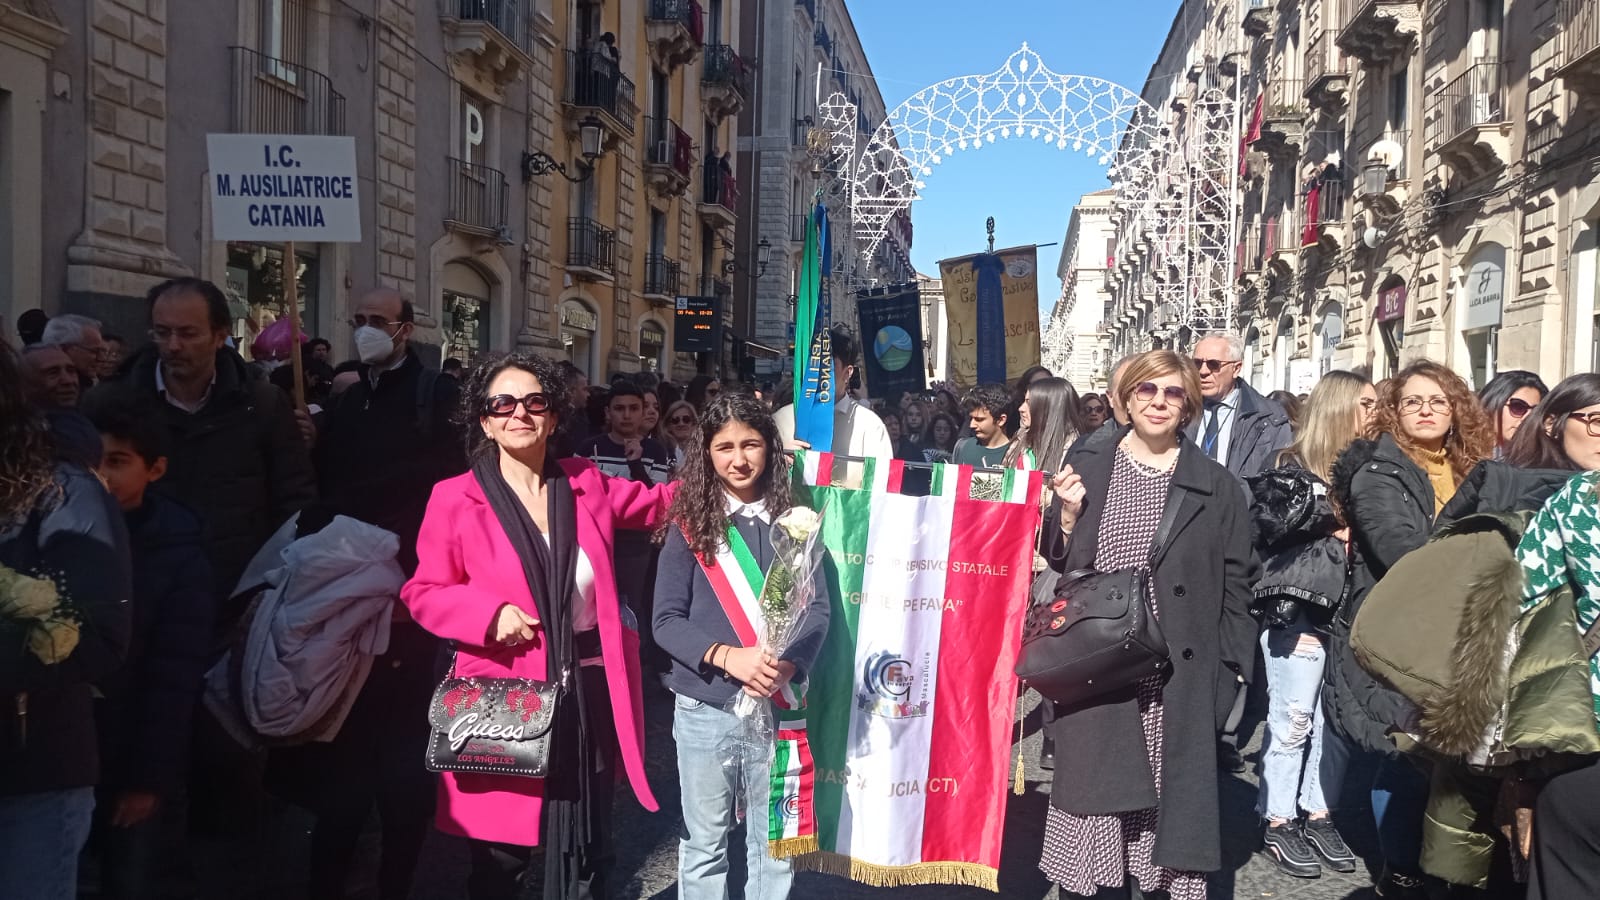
(591, 245)
(1326, 64)
(719, 187)
(724, 67)
(1330, 202)
(272, 96)
(683, 12)
(1376, 30)
(668, 145)
(797, 228)
(1473, 98)
(477, 196)
(594, 81)
(1579, 21)
(661, 276)
(504, 15)
(1285, 99)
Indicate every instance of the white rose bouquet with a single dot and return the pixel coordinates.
(36, 604)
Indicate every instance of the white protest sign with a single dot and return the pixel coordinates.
(267, 187)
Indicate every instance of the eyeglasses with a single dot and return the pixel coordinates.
(503, 405)
(1518, 407)
(681, 420)
(1175, 394)
(379, 322)
(1214, 365)
(1094, 409)
(1412, 405)
(1591, 421)
(161, 334)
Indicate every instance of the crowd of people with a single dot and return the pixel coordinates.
(217, 600)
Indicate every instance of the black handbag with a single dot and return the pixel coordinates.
(1098, 635)
(491, 726)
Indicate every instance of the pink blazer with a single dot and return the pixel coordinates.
(466, 569)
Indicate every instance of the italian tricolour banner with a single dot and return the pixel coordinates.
(911, 701)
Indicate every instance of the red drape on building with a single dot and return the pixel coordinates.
(1253, 133)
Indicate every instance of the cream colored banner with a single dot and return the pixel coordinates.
(1019, 285)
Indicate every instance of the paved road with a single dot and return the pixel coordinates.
(648, 853)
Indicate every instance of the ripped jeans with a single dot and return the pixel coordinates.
(1291, 753)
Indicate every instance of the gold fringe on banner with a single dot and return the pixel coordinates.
(795, 846)
(960, 873)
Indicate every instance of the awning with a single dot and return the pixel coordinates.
(760, 351)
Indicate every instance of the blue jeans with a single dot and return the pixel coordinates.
(1291, 753)
(41, 835)
(709, 808)
(1399, 801)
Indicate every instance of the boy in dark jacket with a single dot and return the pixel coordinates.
(146, 711)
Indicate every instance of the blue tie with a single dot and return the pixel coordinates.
(1208, 442)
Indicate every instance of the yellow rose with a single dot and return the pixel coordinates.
(53, 640)
(28, 598)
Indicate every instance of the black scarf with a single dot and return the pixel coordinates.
(551, 570)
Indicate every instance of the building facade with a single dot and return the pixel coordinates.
(1417, 181)
(807, 51)
(1076, 342)
(459, 108)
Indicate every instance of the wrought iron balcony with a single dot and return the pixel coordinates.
(1329, 225)
(1327, 71)
(668, 156)
(1469, 125)
(724, 82)
(1376, 31)
(490, 35)
(719, 193)
(1578, 22)
(477, 199)
(675, 30)
(595, 83)
(1283, 116)
(1257, 17)
(272, 96)
(661, 278)
(591, 250)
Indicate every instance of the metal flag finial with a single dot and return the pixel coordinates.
(990, 226)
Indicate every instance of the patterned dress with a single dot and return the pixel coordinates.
(1562, 546)
(1084, 853)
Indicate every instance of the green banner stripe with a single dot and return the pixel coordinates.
(780, 768)
(747, 561)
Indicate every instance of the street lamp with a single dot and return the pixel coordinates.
(591, 145)
(1375, 177)
(763, 257)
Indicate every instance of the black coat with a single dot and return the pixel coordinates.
(1496, 487)
(1259, 431)
(47, 729)
(1305, 568)
(1202, 582)
(239, 463)
(148, 707)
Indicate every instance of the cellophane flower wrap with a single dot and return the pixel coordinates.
(49, 623)
(791, 584)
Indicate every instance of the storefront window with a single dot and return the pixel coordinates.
(578, 327)
(652, 343)
(1483, 297)
(255, 289)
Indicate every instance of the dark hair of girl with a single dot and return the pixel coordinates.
(955, 432)
(696, 392)
(475, 395)
(700, 508)
(1019, 390)
(1493, 396)
(1055, 419)
(27, 453)
(1537, 443)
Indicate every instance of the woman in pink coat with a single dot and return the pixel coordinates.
(521, 518)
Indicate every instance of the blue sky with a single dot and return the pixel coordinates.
(1029, 188)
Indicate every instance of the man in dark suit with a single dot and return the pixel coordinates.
(1245, 432)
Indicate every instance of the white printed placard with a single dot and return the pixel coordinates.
(283, 187)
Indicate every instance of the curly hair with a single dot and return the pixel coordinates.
(27, 452)
(1471, 436)
(475, 395)
(700, 507)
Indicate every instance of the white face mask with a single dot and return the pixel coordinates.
(373, 345)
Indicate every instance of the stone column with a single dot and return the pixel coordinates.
(539, 285)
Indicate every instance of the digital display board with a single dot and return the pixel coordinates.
(698, 325)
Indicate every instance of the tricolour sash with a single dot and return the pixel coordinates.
(737, 580)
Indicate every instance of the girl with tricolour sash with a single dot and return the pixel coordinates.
(715, 555)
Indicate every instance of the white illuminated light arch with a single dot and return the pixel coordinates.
(1186, 270)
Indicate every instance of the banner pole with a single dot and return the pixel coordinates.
(291, 298)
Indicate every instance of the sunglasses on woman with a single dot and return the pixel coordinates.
(1518, 407)
(681, 420)
(1175, 394)
(503, 405)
